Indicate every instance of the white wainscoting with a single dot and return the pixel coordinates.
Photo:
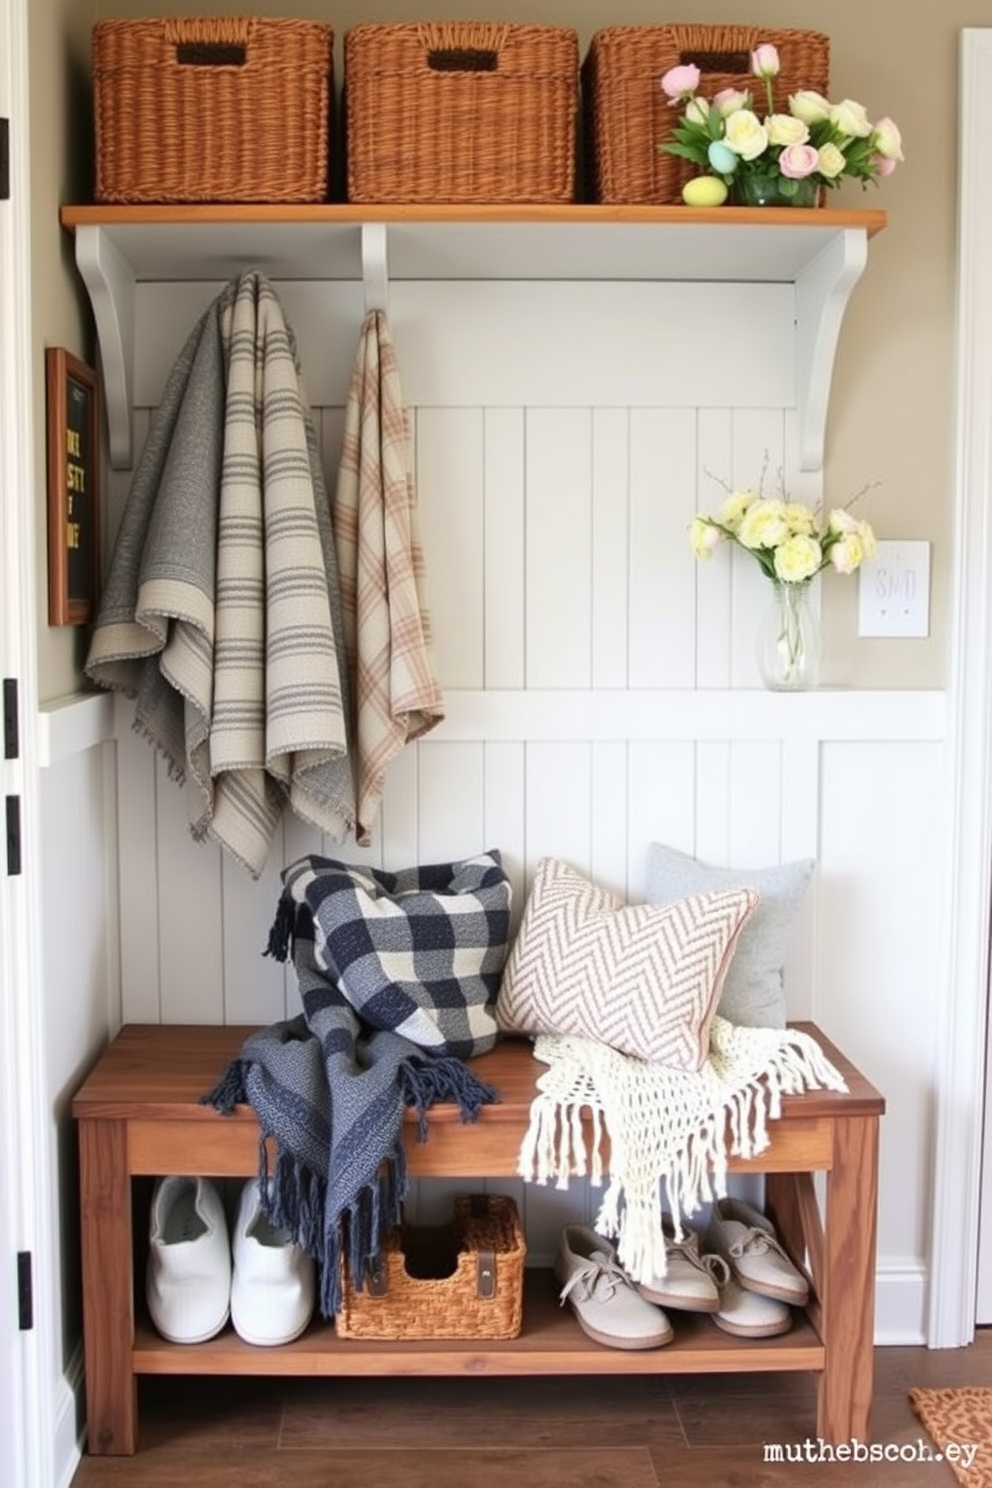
(600, 682)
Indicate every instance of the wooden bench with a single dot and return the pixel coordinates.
(139, 1115)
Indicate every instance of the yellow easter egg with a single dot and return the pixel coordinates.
(704, 191)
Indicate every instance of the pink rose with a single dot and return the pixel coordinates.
(798, 161)
(764, 61)
(680, 82)
(883, 165)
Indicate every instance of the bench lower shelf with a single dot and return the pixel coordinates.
(551, 1342)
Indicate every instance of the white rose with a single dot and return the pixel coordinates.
(729, 100)
(733, 509)
(832, 162)
(783, 129)
(798, 558)
(841, 521)
(867, 538)
(847, 554)
(851, 119)
(811, 107)
(703, 536)
(764, 525)
(697, 110)
(745, 134)
(799, 517)
(888, 140)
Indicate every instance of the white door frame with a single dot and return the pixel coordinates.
(962, 997)
(27, 1370)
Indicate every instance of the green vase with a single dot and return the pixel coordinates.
(756, 189)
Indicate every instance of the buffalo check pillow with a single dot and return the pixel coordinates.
(643, 978)
(419, 951)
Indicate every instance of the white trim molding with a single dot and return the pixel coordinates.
(963, 990)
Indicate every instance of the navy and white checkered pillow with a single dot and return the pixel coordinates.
(419, 952)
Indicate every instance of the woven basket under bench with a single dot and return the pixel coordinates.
(212, 109)
(627, 115)
(459, 1280)
(461, 112)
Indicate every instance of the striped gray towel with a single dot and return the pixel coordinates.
(221, 612)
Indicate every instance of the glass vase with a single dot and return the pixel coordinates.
(758, 189)
(789, 640)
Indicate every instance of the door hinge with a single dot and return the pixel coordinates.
(25, 1292)
(4, 159)
(11, 730)
(13, 835)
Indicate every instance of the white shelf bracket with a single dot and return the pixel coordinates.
(375, 266)
(109, 280)
(822, 291)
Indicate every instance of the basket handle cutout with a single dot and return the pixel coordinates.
(463, 59)
(210, 54)
(729, 62)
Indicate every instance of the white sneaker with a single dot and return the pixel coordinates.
(274, 1286)
(188, 1279)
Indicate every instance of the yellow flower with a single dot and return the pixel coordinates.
(800, 518)
(732, 511)
(847, 554)
(797, 558)
(703, 536)
(764, 525)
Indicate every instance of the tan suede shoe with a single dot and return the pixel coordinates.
(604, 1299)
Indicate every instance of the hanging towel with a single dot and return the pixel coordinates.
(386, 622)
(670, 1131)
(221, 613)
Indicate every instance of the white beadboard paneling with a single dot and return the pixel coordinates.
(190, 905)
(660, 804)
(608, 864)
(713, 801)
(755, 802)
(877, 995)
(505, 604)
(449, 488)
(254, 984)
(611, 555)
(583, 344)
(324, 317)
(452, 805)
(396, 832)
(137, 810)
(712, 578)
(505, 816)
(662, 503)
(799, 838)
(558, 548)
(559, 803)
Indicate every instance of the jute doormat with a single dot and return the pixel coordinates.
(960, 1420)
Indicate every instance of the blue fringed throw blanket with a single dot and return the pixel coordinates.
(374, 953)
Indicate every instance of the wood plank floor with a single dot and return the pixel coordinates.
(591, 1432)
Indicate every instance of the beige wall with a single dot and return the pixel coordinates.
(891, 413)
(58, 38)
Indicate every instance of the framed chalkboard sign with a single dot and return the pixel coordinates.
(73, 488)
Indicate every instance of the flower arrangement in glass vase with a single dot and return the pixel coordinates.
(791, 542)
(773, 159)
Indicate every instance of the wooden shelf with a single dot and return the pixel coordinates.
(822, 252)
(551, 1343)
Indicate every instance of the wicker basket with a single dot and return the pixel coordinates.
(459, 1280)
(227, 109)
(627, 115)
(461, 112)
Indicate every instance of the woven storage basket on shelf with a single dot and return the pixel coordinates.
(212, 109)
(460, 1280)
(627, 115)
(461, 112)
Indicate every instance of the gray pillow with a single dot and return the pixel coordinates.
(753, 992)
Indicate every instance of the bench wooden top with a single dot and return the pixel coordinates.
(160, 1072)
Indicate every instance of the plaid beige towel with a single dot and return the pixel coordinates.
(381, 566)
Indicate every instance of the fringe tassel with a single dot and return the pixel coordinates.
(229, 1090)
(280, 940)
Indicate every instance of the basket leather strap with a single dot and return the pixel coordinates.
(485, 1275)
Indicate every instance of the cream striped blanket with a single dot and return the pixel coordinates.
(386, 620)
(220, 614)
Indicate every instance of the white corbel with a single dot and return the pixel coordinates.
(109, 280)
(375, 266)
(823, 287)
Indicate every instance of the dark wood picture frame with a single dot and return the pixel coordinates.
(73, 488)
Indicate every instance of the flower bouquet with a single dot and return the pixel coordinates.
(773, 159)
(791, 543)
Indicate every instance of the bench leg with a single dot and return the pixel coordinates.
(847, 1300)
(108, 1288)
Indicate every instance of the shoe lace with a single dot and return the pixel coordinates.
(756, 1242)
(717, 1268)
(600, 1274)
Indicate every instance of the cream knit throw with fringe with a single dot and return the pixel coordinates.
(667, 1128)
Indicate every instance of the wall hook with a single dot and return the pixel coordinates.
(375, 266)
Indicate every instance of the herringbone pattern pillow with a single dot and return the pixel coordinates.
(643, 978)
